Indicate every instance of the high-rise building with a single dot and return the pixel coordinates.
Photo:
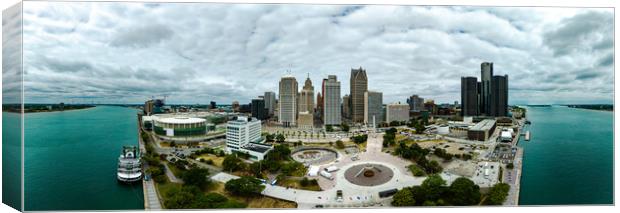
(287, 101)
(373, 104)
(235, 106)
(396, 112)
(270, 102)
(158, 106)
(416, 103)
(499, 96)
(469, 96)
(486, 71)
(319, 105)
(359, 85)
(331, 101)
(306, 97)
(346, 106)
(212, 105)
(258, 109)
(148, 107)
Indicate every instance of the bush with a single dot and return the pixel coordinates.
(339, 144)
(304, 182)
(416, 170)
(208, 161)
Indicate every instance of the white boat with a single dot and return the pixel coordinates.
(129, 165)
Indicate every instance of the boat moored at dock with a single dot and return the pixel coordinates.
(129, 165)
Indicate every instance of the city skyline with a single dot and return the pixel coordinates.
(549, 54)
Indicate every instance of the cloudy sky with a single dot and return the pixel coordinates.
(198, 52)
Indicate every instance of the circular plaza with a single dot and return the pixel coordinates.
(314, 155)
(368, 174)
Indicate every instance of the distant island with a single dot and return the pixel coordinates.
(30, 108)
(538, 105)
(602, 107)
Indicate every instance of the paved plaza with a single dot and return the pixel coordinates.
(353, 195)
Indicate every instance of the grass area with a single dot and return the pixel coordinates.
(399, 137)
(163, 188)
(255, 202)
(217, 161)
(296, 185)
(176, 171)
(164, 144)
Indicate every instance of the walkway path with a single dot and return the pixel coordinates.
(171, 176)
(513, 178)
(151, 200)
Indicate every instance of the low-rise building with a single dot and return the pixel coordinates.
(305, 120)
(396, 112)
(482, 130)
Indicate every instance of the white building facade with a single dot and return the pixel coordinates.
(331, 98)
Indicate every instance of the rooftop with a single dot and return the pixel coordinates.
(483, 125)
(181, 120)
(262, 148)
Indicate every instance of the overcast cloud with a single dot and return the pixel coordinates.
(197, 52)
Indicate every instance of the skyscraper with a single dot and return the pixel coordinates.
(148, 107)
(416, 104)
(331, 101)
(486, 71)
(469, 96)
(359, 85)
(373, 104)
(306, 97)
(287, 101)
(319, 104)
(258, 109)
(499, 96)
(270, 102)
(346, 106)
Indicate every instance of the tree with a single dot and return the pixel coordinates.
(196, 177)
(359, 138)
(244, 186)
(232, 163)
(280, 138)
(329, 128)
(497, 194)
(403, 197)
(464, 192)
(270, 137)
(510, 166)
(173, 144)
(345, 127)
(433, 187)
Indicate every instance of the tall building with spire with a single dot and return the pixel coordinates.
(359, 86)
(331, 101)
(288, 107)
(306, 97)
